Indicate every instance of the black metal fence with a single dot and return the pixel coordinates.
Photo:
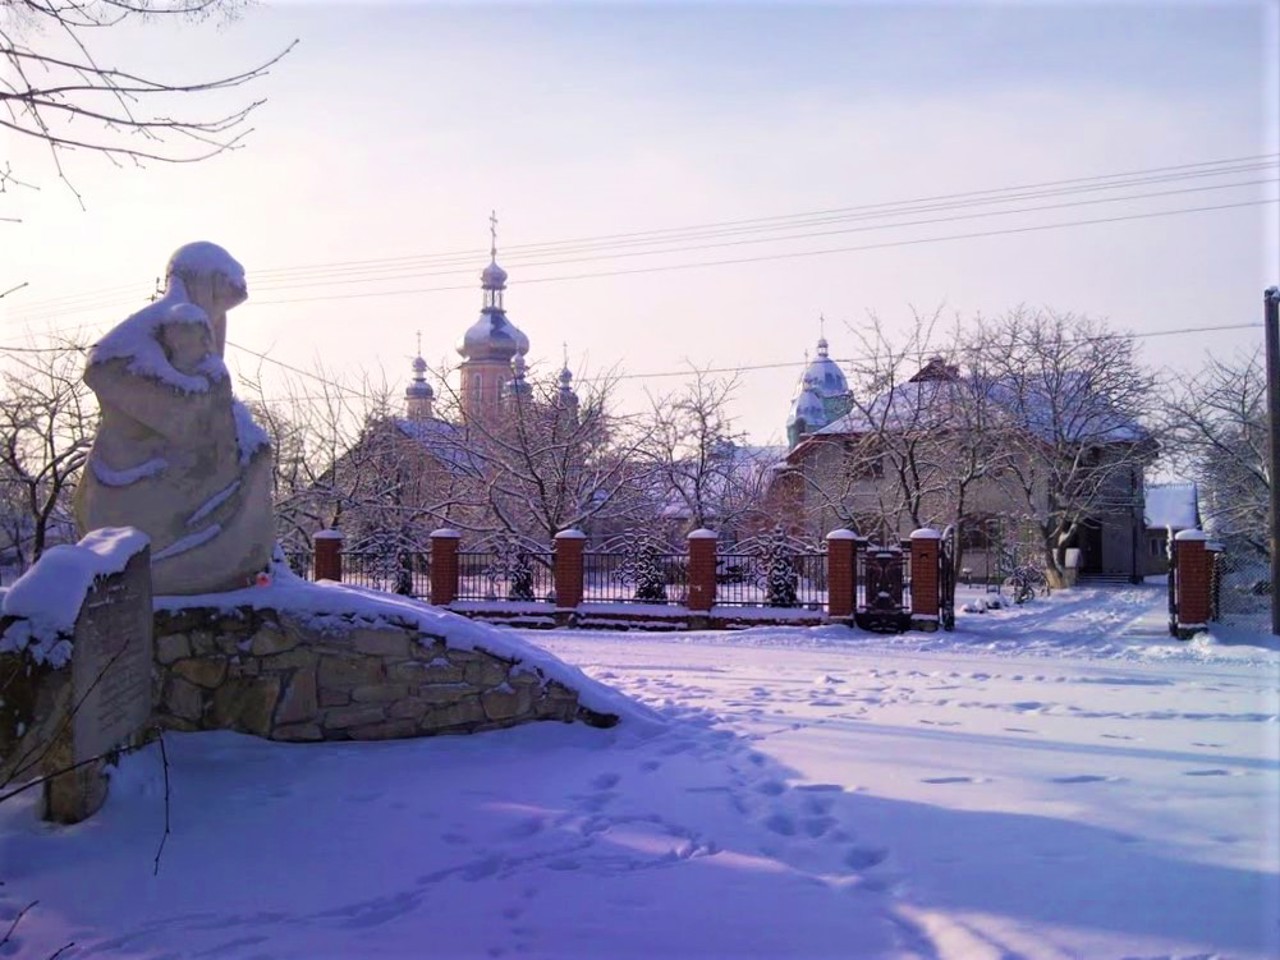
(779, 580)
(617, 577)
(523, 576)
(883, 600)
(408, 574)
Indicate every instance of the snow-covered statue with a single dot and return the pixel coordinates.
(176, 455)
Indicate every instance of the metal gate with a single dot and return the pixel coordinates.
(947, 581)
(882, 580)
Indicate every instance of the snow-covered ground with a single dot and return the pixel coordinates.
(1059, 780)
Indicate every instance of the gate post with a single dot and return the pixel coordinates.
(841, 547)
(1194, 569)
(702, 570)
(444, 566)
(327, 548)
(568, 568)
(924, 579)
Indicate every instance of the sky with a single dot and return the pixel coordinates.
(360, 202)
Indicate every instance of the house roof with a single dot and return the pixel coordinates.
(1067, 410)
(1172, 506)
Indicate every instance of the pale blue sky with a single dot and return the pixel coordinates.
(392, 130)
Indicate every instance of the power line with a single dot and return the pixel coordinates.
(519, 253)
(784, 256)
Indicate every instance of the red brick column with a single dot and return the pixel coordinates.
(702, 570)
(569, 545)
(842, 548)
(1195, 567)
(327, 545)
(924, 579)
(444, 566)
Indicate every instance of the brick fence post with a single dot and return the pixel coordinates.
(327, 547)
(702, 570)
(569, 546)
(924, 579)
(444, 566)
(1195, 568)
(841, 551)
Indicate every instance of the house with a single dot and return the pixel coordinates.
(1017, 477)
(1169, 509)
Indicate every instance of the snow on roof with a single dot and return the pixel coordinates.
(1172, 506)
(443, 440)
(47, 598)
(203, 258)
(1069, 410)
(335, 605)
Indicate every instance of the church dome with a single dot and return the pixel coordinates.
(492, 337)
(807, 408)
(826, 377)
(493, 277)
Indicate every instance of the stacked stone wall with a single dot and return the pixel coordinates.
(276, 675)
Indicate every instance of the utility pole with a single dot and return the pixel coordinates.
(1271, 303)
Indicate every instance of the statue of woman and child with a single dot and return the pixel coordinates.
(176, 455)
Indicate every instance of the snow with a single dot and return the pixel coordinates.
(47, 598)
(1171, 506)
(571, 534)
(925, 533)
(329, 605)
(1194, 535)
(250, 438)
(1055, 780)
(136, 339)
(202, 258)
(189, 542)
(110, 477)
(212, 504)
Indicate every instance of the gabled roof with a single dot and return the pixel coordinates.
(444, 441)
(1172, 506)
(1070, 411)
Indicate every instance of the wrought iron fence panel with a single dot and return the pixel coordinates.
(771, 580)
(497, 575)
(301, 562)
(405, 573)
(611, 576)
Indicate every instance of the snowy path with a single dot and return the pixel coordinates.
(1047, 782)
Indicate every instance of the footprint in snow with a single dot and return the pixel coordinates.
(1085, 778)
(955, 780)
(780, 823)
(1114, 736)
(605, 781)
(1206, 773)
(816, 827)
(1211, 746)
(771, 788)
(863, 858)
(1019, 730)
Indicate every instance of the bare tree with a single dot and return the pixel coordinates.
(700, 471)
(1072, 395)
(57, 90)
(346, 459)
(883, 468)
(46, 427)
(552, 459)
(1216, 428)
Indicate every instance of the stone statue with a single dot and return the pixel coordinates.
(176, 455)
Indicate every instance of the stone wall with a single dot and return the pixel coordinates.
(278, 675)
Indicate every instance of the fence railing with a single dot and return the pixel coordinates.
(615, 577)
(524, 577)
(408, 574)
(752, 580)
(877, 589)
